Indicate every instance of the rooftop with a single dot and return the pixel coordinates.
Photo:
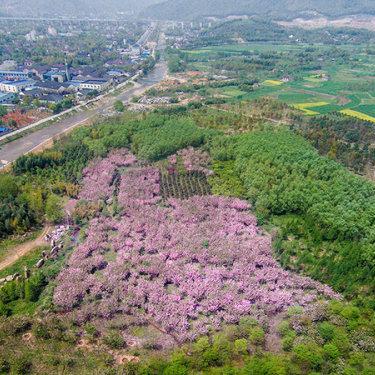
(17, 83)
(5, 94)
(94, 81)
(11, 72)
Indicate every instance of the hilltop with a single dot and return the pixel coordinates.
(73, 8)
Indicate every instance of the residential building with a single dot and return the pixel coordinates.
(58, 77)
(6, 97)
(56, 87)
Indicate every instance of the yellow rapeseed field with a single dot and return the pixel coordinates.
(272, 82)
(359, 115)
(305, 107)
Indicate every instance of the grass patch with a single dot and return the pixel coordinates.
(28, 260)
(233, 92)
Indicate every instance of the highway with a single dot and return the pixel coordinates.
(9, 152)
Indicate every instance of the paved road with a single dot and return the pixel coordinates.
(12, 150)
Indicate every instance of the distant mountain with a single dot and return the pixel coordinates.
(190, 9)
(73, 8)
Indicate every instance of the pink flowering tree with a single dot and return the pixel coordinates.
(186, 266)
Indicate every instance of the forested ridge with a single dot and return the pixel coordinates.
(263, 30)
(182, 9)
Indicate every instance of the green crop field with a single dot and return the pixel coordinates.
(343, 77)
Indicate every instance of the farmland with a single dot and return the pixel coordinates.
(303, 76)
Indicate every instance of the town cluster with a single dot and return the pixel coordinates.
(50, 84)
(31, 83)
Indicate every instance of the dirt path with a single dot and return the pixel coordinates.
(21, 250)
(273, 341)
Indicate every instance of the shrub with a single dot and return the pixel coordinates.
(308, 356)
(4, 366)
(240, 347)
(246, 325)
(284, 328)
(267, 365)
(114, 340)
(22, 365)
(40, 330)
(119, 106)
(91, 331)
(4, 309)
(256, 336)
(18, 325)
(331, 352)
(341, 340)
(295, 310)
(202, 344)
(288, 341)
(357, 360)
(232, 332)
(175, 369)
(34, 287)
(326, 330)
(8, 186)
(350, 312)
(54, 211)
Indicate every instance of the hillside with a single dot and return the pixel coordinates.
(73, 8)
(256, 30)
(181, 9)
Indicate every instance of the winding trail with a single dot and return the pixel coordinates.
(21, 250)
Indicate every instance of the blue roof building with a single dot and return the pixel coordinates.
(13, 74)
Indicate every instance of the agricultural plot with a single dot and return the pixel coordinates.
(343, 78)
(232, 92)
(273, 82)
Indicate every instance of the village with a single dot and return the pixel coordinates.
(32, 89)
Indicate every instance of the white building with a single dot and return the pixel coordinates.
(16, 87)
(94, 84)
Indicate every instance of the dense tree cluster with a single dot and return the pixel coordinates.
(347, 140)
(157, 143)
(327, 205)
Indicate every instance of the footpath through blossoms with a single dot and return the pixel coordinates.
(186, 266)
